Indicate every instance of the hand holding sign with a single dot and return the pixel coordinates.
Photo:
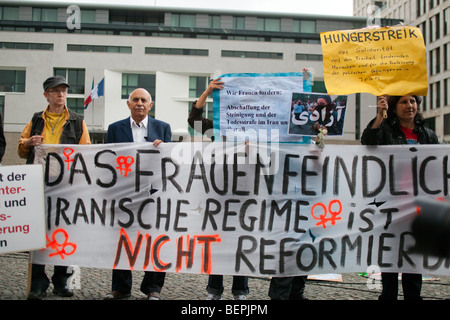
(382, 105)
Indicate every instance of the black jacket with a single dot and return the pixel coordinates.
(389, 133)
(71, 134)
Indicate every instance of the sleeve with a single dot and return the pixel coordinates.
(168, 134)
(22, 149)
(85, 138)
(372, 136)
(196, 115)
(109, 135)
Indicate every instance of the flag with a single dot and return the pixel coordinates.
(88, 100)
(98, 91)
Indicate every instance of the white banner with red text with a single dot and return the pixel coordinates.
(239, 209)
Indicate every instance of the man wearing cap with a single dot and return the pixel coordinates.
(55, 125)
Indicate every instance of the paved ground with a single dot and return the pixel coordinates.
(185, 290)
(95, 283)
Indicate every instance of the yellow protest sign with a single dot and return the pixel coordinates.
(379, 60)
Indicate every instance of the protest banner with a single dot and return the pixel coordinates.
(22, 221)
(374, 60)
(239, 209)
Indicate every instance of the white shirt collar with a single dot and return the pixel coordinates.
(143, 123)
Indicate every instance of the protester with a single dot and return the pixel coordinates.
(57, 124)
(215, 287)
(403, 125)
(139, 127)
(196, 119)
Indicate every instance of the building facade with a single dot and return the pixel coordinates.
(433, 19)
(171, 52)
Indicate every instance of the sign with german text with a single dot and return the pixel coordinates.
(374, 60)
(256, 106)
(239, 208)
(22, 224)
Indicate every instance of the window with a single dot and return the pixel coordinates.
(438, 60)
(76, 105)
(446, 57)
(176, 51)
(431, 26)
(431, 98)
(45, 14)
(136, 17)
(438, 95)
(447, 124)
(424, 31)
(446, 92)
(252, 54)
(269, 24)
(132, 81)
(94, 48)
(214, 21)
(74, 77)
(2, 108)
(437, 20)
(197, 85)
(12, 80)
(308, 26)
(183, 20)
(88, 16)
(10, 13)
(431, 63)
(304, 26)
(446, 21)
(303, 56)
(239, 23)
(26, 46)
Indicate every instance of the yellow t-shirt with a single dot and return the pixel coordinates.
(53, 127)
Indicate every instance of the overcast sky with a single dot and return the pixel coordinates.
(322, 7)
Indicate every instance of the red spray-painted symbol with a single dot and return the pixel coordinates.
(60, 248)
(124, 164)
(323, 218)
(67, 153)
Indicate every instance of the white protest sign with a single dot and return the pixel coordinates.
(255, 106)
(22, 224)
(244, 209)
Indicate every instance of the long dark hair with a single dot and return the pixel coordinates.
(392, 103)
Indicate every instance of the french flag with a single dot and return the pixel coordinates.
(98, 91)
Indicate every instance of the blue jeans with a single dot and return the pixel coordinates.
(239, 287)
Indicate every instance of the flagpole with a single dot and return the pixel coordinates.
(93, 115)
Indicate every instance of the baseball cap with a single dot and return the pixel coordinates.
(54, 82)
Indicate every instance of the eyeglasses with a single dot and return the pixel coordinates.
(58, 90)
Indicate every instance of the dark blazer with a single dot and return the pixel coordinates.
(120, 131)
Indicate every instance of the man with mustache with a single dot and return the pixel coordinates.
(139, 127)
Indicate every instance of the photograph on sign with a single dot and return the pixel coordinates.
(311, 112)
